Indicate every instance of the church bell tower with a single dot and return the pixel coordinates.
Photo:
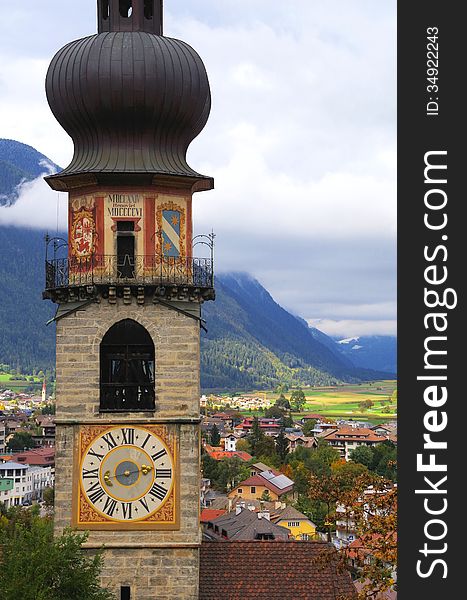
(129, 292)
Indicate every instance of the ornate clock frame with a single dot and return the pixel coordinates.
(167, 517)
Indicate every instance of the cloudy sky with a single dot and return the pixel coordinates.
(301, 141)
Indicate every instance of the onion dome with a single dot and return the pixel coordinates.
(131, 99)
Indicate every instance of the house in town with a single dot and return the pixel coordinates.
(264, 485)
(299, 525)
(244, 524)
(17, 484)
(230, 442)
(346, 439)
(209, 514)
(270, 427)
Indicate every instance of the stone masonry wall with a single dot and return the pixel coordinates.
(156, 564)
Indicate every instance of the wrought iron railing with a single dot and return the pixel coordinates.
(126, 396)
(127, 270)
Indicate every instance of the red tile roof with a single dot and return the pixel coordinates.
(220, 455)
(208, 514)
(41, 457)
(354, 433)
(272, 570)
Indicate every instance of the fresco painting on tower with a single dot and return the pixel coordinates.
(123, 234)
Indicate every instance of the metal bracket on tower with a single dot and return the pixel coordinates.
(201, 321)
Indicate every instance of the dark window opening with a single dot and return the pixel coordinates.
(126, 8)
(105, 9)
(126, 249)
(148, 9)
(127, 368)
(125, 592)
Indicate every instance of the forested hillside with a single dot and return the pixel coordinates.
(25, 341)
(19, 162)
(251, 342)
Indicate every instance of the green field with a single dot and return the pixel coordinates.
(7, 382)
(342, 401)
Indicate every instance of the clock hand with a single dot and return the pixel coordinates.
(145, 469)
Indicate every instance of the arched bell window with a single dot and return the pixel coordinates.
(127, 368)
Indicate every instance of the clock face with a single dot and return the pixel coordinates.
(126, 475)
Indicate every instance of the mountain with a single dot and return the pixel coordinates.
(18, 163)
(25, 341)
(377, 352)
(370, 351)
(251, 342)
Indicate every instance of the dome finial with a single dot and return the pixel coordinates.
(130, 15)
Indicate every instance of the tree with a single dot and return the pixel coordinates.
(274, 412)
(243, 445)
(49, 409)
(266, 449)
(210, 468)
(384, 461)
(282, 446)
(366, 404)
(266, 496)
(362, 455)
(37, 566)
(20, 441)
(282, 402)
(374, 558)
(335, 487)
(298, 399)
(215, 436)
(49, 497)
(309, 426)
(256, 435)
(231, 471)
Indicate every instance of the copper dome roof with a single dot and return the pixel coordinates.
(132, 101)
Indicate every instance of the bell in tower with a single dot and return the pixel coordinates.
(129, 292)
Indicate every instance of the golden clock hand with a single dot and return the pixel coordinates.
(145, 469)
(107, 478)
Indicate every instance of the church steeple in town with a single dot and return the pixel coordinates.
(129, 290)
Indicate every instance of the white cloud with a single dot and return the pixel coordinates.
(37, 207)
(301, 139)
(354, 327)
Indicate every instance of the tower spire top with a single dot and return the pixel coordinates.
(130, 15)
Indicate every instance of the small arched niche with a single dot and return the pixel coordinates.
(148, 9)
(126, 8)
(127, 368)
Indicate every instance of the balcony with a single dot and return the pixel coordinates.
(162, 276)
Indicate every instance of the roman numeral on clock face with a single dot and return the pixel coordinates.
(158, 491)
(95, 454)
(95, 492)
(144, 503)
(163, 473)
(109, 440)
(90, 473)
(159, 454)
(127, 508)
(146, 440)
(109, 506)
(128, 436)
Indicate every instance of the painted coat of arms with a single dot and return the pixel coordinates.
(171, 225)
(82, 238)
